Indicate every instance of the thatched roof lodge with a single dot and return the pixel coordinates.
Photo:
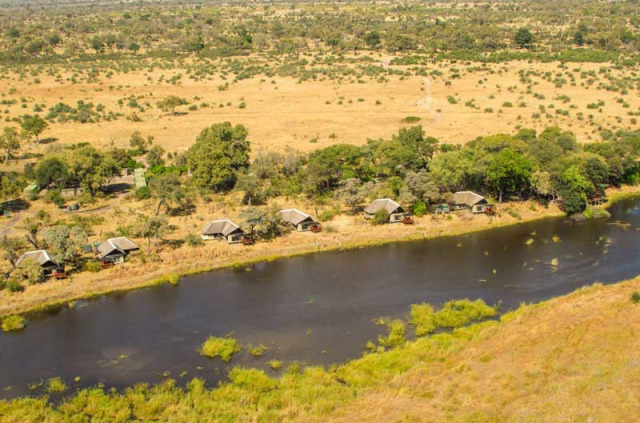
(300, 221)
(394, 210)
(470, 201)
(115, 250)
(42, 257)
(222, 229)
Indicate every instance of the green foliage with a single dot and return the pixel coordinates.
(457, 313)
(93, 266)
(13, 323)
(219, 153)
(224, 348)
(29, 271)
(635, 297)
(56, 385)
(63, 242)
(524, 38)
(252, 380)
(380, 217)
(423, 319)
(396, 336)
(193, 240)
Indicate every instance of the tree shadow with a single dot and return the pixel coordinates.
(16, 205)
(47, 140)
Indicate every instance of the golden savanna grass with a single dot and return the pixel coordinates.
(282, 112)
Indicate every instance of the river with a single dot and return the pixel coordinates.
(316, 309)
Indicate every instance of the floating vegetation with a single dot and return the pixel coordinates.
(224, 348)
(530, 241)
(275, 364)
(459, 244)
(396, 336)
(554, 262)
(256, 351)
(556, 238)
(486, 253)
(56, 385)
(13, 323)
(381, 321)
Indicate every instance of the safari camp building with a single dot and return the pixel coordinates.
(467, 200)
(299, 220)
(394, 210)
(43, 258)
(222, 229)
(115, 250)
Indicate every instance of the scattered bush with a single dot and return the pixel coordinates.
(93, 266)
(56, 385)
(635, 297)
(193, 240)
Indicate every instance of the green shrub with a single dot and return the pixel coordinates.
(143, 193)
(380, 217)
(14, 285)
(193, 240)
(93, 266)
(420, 209)
(328, 215)
(13, 323)
(635, 297)
(458, 313)
(224, 348)
(411, 119)
(422, 317)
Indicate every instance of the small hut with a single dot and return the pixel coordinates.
(222, 229)
(42, 257)
(299, 220)
(115, 250)
(139, 179)
(394, 210)
(467, 200)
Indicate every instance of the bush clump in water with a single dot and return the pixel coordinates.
(458, 313)
(423, 319)
(56, 385)
(13, 323)
(224, 348)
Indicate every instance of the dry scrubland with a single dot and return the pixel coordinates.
(467, 99)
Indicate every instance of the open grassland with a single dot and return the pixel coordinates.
(454, 101)
(573, 358)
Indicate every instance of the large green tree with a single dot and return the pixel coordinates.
(220, 151)
(509, 172)
(34, 125)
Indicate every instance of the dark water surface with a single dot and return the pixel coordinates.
(316, 309)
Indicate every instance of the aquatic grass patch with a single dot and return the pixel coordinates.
(223, 348)
(13, 323)
(256, 351)
(423, 319)
(55, 385)
(457, 313)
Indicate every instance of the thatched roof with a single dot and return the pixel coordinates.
(121, 245)
(468, 198)
(220, 227)
(41, 256)
(294, 216)
(384, 204)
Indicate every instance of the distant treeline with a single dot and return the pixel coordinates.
(566, 30)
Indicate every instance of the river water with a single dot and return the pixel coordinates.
(315, 309)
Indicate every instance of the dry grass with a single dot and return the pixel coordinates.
(290, 114)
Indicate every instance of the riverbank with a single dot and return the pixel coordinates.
(344, 233)
(570, 358)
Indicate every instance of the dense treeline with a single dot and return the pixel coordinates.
(413, 168)
(211, 30)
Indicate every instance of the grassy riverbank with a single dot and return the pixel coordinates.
(347, 233)
(572, 358)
